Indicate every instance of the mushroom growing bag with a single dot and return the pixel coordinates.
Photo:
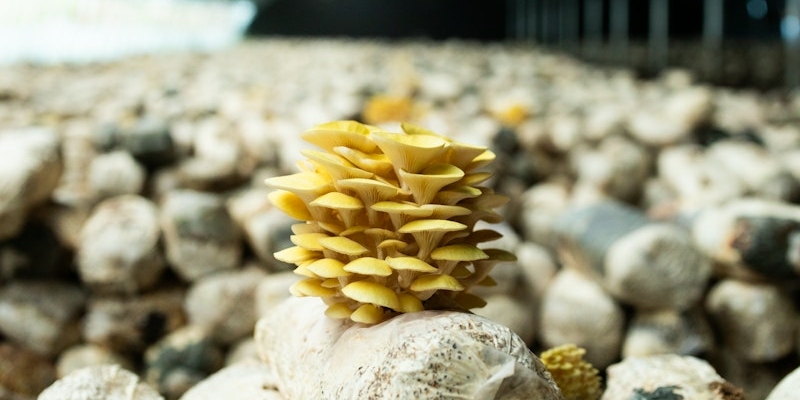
(422, 355)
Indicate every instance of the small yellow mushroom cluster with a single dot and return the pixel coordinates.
(384, 108)
(577, 379)
(389, 220)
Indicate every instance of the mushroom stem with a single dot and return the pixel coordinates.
(405, 278)
(482, 269)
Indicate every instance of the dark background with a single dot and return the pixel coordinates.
(485, 20)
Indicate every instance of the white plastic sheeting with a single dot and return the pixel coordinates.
(51, 31)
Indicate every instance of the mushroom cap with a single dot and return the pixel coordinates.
(290, 203)
(405, 208)
(409, 152)
(476, 178)
(343, 245)
(459, 252)
(412, 129)
(481, 160)
(444, 211)
(337, 166)
(396, 243)
(487, 281)
(338, 311)
(295, 254)
(369, 190)
(436, 282)
(469, 300)
(301, 183)
(330, 283)
(353, 230)
(500, 255)
(308, 241)
(381, 233)
(453, 195)
(307, 227)
(463, 154)
(328, 268)
(378, 164)
(409, 303)
(431, 225)
(302, 269)
(338, 201)
(333, 227)
(367, 314)
(341, 133)
(310, 287)
(425, 184)
(461, 271)
(347, 125)
(482, 236)
(372, 293)
(410, 264)
(369, 266)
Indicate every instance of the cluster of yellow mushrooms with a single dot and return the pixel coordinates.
(577, 379)
(389, 220)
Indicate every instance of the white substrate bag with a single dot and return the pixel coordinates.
(424, 355)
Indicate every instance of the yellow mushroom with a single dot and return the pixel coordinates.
(409, 152)
(409, 303)
(409, 268)
(454, 195)
(370, 191)
(307, 227)
(335, 165)
(443, 211)
(372, 293)
(449, 256)
(308, 241)
(369, 266)
(410, 264)
(306, 185)
(429, 232)
(367, 314)
(577, 378)
(291, 204)
(377, 164)
(469, 300)
(353, 230)
(311, 287)
(341, 133)
(343, 245)
(481, 160)
(330, 283)
(391, 247)
(462, 155)
(459, 252)
(328, 268)
(296, 254)
(302, 269)
(427, 285)
(347, 207)
(482, 267)
(481, 236)
(427, 183)
(338, 311)
(401, 212)
(475, 178)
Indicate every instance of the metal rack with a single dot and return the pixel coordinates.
(586, 27)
